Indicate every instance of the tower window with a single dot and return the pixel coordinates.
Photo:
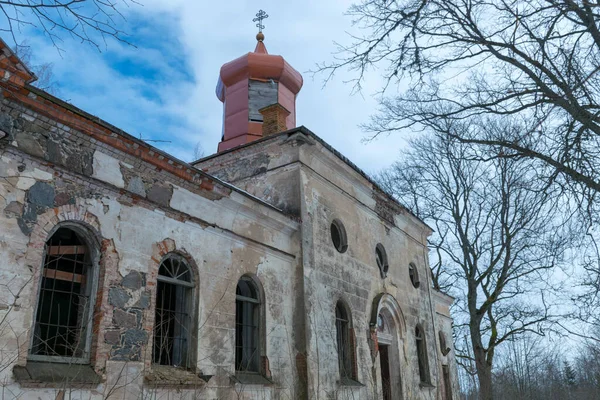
(338, 236)
(173, 313)
(382, 261)
(247, 323)
(65, 303)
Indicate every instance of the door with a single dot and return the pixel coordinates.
(386, 384)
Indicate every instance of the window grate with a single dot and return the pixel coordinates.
(247, 350)
(64, 298)
(172, 313)
(344, 345)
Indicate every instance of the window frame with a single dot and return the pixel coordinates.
(447, 381)
(422, 358)
(341, 229)
(444, 348)
(189, 353)
(413, 275)
(383, 264)
(95, 255)
(257, 317)
(345, 351)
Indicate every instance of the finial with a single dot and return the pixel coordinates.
(260, 16)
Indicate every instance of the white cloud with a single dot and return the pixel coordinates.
(179, 104)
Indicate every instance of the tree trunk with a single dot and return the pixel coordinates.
(484, 374)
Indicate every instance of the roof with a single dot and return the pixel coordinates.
(11, 63)
(18, 84)
(142, 143)
(305, 131)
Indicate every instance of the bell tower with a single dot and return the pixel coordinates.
(248, 86)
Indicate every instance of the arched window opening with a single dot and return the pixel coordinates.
(414, 275)
(422, 354)
(344, 341)
(173, 313)
(443, 345)
(247, 323)
(65, 303)
(382, 260)
(338, 236)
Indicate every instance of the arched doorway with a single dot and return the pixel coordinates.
(388, 322)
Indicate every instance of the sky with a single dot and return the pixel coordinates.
(164, 87)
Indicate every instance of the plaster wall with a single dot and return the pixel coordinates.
(354, 278)
(53, 174)
(331, 189)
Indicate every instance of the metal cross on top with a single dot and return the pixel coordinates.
(260, 15)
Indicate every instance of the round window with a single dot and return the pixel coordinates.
(382, 261)
(338, 236)
(414, 275)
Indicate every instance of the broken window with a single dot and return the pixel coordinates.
(422, 354)
(247, 322)
(344, 341)
(382, 261)
(174, 305)
(414, 275)
(65, 305)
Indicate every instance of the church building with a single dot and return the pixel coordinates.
(272, 269)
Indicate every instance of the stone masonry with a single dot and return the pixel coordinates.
(262, 210)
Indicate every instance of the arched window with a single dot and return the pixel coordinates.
(344, 341)
(338, 236)
(382, 260)
(66, 298)
(413, 275)
(247, 326)
(422, 354)
(173, 313)
(443, 345)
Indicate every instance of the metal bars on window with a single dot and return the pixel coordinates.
(247, 312)
(173, 313)
(342, 326)
(64, 303)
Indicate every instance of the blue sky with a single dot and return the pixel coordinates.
(164, 88)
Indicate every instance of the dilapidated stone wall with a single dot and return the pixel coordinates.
(331, 188)
(138, 205)
(268, 216)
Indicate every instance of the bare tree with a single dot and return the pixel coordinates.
(89, 21)
(198, 151)
(536, 368)
(44, 72)
(537, 61)
(498, 240)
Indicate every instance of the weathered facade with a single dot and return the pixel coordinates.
(274, 269)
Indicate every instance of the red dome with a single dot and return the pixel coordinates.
(233, 90)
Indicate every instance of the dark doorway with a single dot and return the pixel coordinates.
(386, 384)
